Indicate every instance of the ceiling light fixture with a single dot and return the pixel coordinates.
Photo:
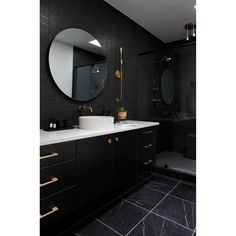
(96, 43)
(190, 30)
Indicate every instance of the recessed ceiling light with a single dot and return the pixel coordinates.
(96, 43)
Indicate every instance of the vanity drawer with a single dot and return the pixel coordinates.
(147, 135)
(57, 206)
(146, 152)
(146, 149)
(55, 153)
(57, 177)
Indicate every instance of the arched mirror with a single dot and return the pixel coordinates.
(77, 64)
(167, 86)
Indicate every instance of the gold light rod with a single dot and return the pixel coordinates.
(119, 75)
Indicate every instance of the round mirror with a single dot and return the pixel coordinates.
(77, 64)
(167, 86)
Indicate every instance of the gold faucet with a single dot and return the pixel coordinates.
(83, 108)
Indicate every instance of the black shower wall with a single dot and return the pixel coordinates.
(113, 30)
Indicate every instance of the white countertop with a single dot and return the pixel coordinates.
(76, 133)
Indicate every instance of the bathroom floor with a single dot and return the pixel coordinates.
(160, 206)
(176, 161)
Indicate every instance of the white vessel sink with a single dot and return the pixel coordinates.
(96, 122)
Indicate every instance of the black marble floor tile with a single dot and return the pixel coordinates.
(154, 225)
(145, 197)
(189, 178)
(68, 233)
(161, 184)
(185, 191)
(122, 217)
(178, 210)
(92, 227)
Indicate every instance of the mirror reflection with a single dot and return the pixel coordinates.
(77, 64)
(167, 86)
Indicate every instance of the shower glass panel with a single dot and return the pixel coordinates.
(176, 140)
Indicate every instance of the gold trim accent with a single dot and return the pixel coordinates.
(148, 146)
(147, 132)
(119, 75)
(53, 210)
(147, 162)
(53, 180)
(54, 154)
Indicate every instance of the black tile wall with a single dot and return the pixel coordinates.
(113, 30)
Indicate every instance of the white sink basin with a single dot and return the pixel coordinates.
(96, 122)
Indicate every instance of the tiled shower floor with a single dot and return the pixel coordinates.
(161, 206)
(177, 162)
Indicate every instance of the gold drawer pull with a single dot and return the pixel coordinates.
(109, 140)
(54, 154)
(148, 146)
(53, 180)
(53, 210)
(117, 139)
(148, 132)
(147, 162)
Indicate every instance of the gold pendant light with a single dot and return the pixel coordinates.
(190, 30)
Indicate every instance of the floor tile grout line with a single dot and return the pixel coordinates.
(155, 190)
(176, 180)
(76, 234)
(136, 205)
(181, 199)
(170, 194)
(194, 231)
(167, 195)
(188, 183)
(152, 209)
(86, 217)
(163, 217)
(108, 226)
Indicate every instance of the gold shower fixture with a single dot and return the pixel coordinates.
(119, 75)
(190, 30)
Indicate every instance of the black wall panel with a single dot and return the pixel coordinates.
(113, 30)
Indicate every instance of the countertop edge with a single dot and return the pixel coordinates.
(47, 138)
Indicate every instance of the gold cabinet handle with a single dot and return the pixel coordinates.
(53, 180)
(148, 132)
(109, 140)
(147, 146)
(54, 154)
(53, 210)
(147, 162)
(117, 139)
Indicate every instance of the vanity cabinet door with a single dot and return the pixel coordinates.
(125, 145)
(94, 168)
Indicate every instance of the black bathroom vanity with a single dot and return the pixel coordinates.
(78, 166)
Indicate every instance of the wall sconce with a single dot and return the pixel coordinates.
(119, 75)
(190, 30)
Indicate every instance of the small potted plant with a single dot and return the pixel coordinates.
(122, 113)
